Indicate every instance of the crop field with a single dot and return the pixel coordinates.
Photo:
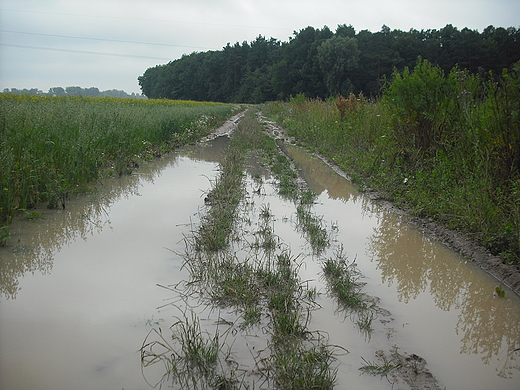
(51, 147)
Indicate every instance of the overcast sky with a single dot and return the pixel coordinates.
(109, 43)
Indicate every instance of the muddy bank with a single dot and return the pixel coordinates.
(507, 275)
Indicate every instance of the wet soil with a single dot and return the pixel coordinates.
(463, 244)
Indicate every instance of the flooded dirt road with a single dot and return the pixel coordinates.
(80, 286)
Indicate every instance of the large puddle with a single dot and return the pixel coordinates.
(80, 286)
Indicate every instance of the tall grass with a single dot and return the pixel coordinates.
(445, 146)
(52, 146)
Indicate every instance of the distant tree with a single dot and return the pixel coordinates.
(74, 91)
(57, 91)
(345, 31)
(337, 56)
(92, 91)
(25, 91)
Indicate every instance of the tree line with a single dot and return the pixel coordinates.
(320, 63)
(73, 91)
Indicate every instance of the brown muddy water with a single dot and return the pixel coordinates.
(81, 287)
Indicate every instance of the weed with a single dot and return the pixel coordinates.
(265, 212)
(190, 357)
(252, 316)
(304, 368)
(4, 235)
(382, 369)
(364, 321)
(312, 227)
(342, 278)
(500, 291)
(307, 197)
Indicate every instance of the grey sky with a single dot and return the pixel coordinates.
(109, 43)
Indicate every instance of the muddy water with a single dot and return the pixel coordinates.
(80, 286)
(441, 307)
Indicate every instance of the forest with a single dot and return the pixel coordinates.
(319, 63)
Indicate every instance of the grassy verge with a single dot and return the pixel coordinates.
(51, 147)
(445, 146)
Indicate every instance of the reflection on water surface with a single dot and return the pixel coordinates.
(411, 267)
(79, 286)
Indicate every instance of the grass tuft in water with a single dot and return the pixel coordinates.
(382, 369)
(312, 227)
(342, 278)
(304, 368)
(190, 355)
(296, 363)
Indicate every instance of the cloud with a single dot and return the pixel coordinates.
(127, 28)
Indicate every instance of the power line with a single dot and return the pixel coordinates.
(145, 19)
(104, 39)
(84, 52)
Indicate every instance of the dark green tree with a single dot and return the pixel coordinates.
(337, 56)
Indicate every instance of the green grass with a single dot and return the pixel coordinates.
(311, 225)
(342, 278)
(189, 354)
(343, 281)
(452, 155)
(223, 199)
(382, 369)
(51, 147)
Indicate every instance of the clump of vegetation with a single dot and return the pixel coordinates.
(189, 354)
(312, 226)
(396, 366)
(4, 235)
(296, 363)
(445, 145)
(223, 200)
(51, 147)
(343, 279)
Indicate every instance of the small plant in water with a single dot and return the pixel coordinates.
(364, 321)
(190, 355)
(500, 291)
(342, 278)
(4, 235)
(383, 368)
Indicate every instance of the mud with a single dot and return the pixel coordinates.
(507, 275)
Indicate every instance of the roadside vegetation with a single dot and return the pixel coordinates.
(446, 146)
(52, 147)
